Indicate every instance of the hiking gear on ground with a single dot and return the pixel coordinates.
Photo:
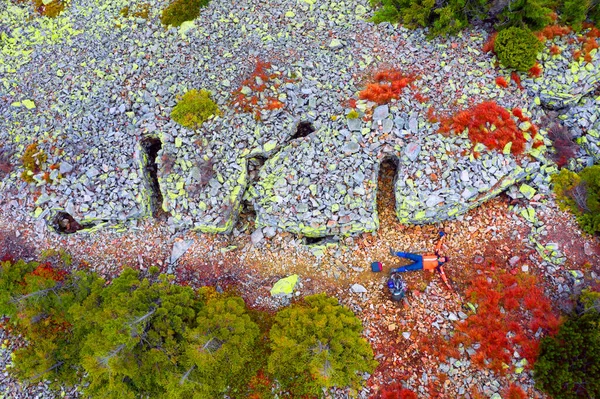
(376, 267)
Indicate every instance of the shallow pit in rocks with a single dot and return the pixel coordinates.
(303, 129)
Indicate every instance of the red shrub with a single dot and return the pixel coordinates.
(515, 78)
(499, 333)
(489, 44)
(576, 54)
(535, 71)
(46, 271)
(555, 50)
(500, 81)
(489, 124)
(258, 81)
(552, 31)
(387, 85)
(421, 98)
(514, 392)
(396, 391)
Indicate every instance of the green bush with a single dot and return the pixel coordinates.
(527, 14)
(180, 11)
(141, 335)
(574, 12)
(194, 108)
(129, 330)
(219, 350)
(317, 344)
(569, 363)
(36, 298)
(517, 48)
(447, 17)
(580, 193)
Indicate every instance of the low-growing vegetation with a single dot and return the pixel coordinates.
(569, 362)
(517, 48)
(34, 160)
(194, 109)
(180, 11)
(580, 193)
(142, 335)
(492, 125)
(450, 16)
(385, 86)
(511, 314)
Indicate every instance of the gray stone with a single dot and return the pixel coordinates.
(433, 200)
(257, 236)
(469, 192)
(65, 167)
(179, 248)
(412, 151)
(452, 317)
(269, 231)
(359, 289)
(381, 113)
(351, 147)
(514, 260)
(354, 124)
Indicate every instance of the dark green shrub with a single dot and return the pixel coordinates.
(517, 48)
(574, 12)
(528, 14)
(180, 11)
(219, 350)
(446, 17)
(580, 193)
(569, 363)
(317, 344)
(194, 108)
(130, 330)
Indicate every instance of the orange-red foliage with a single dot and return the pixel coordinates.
(490, 43)
(500, 81)
(501, 333)
(552, 31)
(515, 78)
(387, 85)
(555, 50)
(258, 81)
(535, 71)
(260, 386)
(396, 391)
(46, 271)
(421, 98)
(576, 54)
(489, 124)
(514, 392)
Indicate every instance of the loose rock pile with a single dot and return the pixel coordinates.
(90, 84)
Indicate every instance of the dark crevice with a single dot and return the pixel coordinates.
(247, 215)
(303, 129)
(320, 240)
(65, 223)
(151, 146)
(386, 197)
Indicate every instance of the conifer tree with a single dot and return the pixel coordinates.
(317, 344)
(133, 330)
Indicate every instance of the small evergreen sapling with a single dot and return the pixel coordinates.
(517, 48)
(317, 344)
(194, 109)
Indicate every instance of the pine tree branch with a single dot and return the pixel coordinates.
(104, 360)
(55, 366)
(186, 375)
